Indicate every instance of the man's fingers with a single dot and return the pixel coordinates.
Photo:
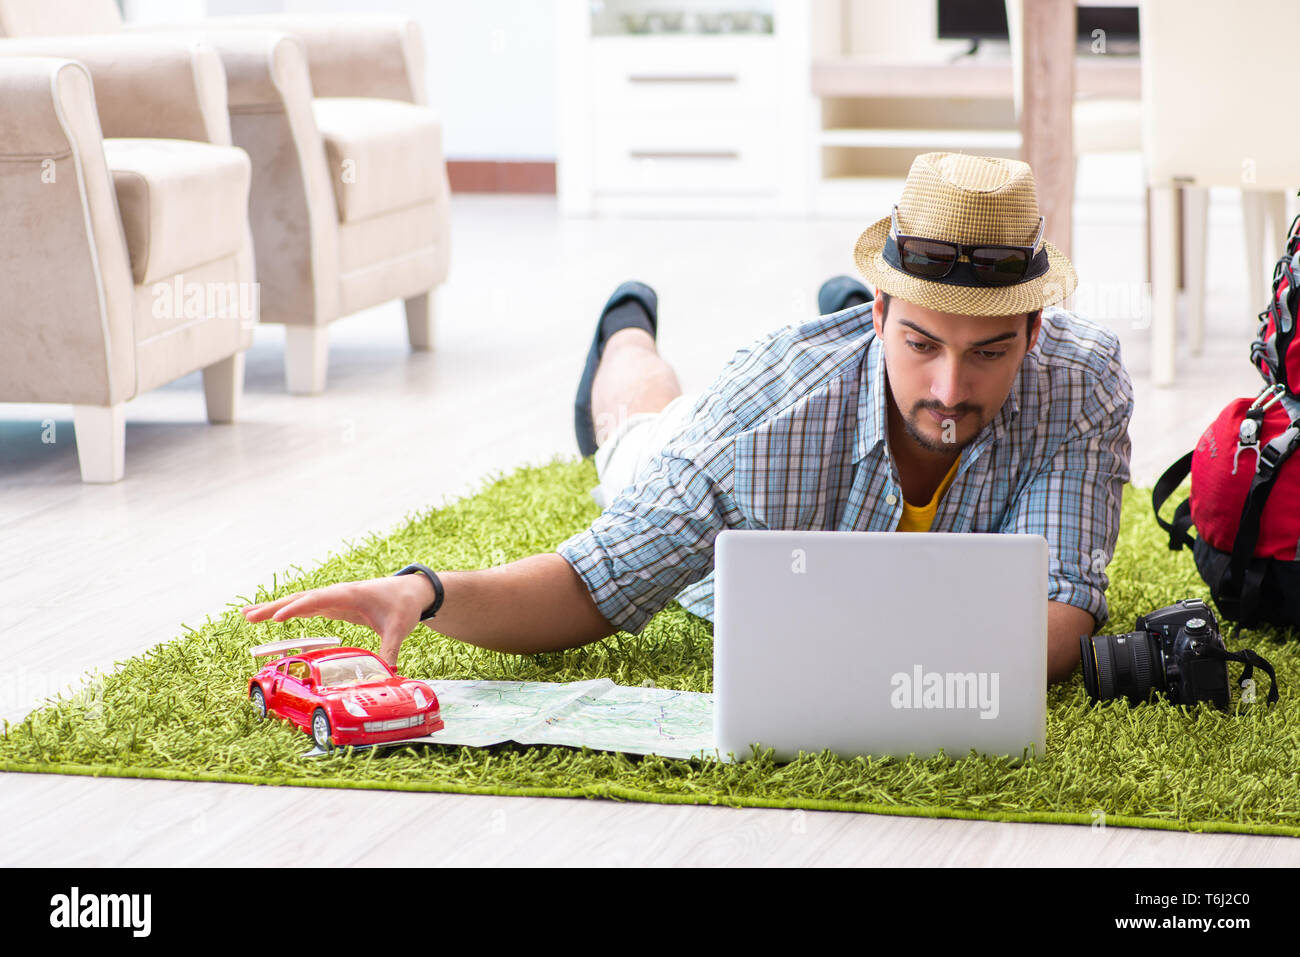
(301, 604)
(389, 647)
(264, 610)
(345, 601)
(313, 605)
(300, 608)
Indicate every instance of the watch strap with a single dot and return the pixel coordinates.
(428, 573)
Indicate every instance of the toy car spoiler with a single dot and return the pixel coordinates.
(282, 648)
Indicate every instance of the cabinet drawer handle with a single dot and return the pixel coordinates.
(682, 78)
(685, 154)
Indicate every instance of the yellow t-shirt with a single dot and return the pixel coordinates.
(917, 518)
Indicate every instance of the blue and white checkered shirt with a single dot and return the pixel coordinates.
(792, 435)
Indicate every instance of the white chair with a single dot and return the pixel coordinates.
(1215, 89)
(127, 258)
(350, 201)
(1101, 124)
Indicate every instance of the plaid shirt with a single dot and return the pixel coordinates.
(792, 435)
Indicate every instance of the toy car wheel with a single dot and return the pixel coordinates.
(320, 729)
(258, 697)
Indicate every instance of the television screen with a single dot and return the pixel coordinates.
(972, 19)
(987, 20)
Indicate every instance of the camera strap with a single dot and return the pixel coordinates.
(1248, 658)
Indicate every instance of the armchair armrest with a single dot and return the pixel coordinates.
(265, 70)
(67, 325)
(145, 86)
(39, 94)
(349, 55)
(291, 206)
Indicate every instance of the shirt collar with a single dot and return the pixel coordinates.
(871, 400)
(873, 407)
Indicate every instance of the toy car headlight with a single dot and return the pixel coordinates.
(350, 705)
(421, 701)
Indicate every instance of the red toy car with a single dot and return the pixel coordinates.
(341, 696)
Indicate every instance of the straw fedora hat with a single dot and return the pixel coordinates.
(969, 200)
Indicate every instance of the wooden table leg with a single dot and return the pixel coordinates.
(1047, 119)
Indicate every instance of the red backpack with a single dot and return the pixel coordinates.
(1245, 498)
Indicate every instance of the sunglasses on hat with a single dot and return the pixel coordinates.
(990, 264)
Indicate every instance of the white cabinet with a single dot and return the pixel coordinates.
(681, 121)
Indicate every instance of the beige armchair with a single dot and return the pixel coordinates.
(350, 198)
(1217, 125)
(127, 258)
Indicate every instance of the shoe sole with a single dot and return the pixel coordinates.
(583, 426)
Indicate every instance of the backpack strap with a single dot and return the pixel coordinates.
(1173, 477)
(1271, 457)
(1252, 587)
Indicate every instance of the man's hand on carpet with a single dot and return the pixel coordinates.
(1065, 623)
(388, 606)
(526, 607)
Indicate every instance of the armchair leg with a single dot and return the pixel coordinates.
(1195, 207)
(420, 313)
(101, 441)
(1264, 219)
(306, 358)
(1164, 283)
(223, 383)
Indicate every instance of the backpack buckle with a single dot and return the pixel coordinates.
(1248, 433)
(1267, 397)
(1273, 454)
(1247, 441)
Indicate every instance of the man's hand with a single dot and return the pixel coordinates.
(390, 607)
(1065, 623)
(527, 607)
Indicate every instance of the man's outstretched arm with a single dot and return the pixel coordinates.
(655, 538)
(528, 606)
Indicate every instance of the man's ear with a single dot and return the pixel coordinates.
(1033, 329)
(877, 320)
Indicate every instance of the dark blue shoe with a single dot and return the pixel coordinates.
(842, 292)
(583, 426)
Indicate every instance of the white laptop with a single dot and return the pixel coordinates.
(879, 643)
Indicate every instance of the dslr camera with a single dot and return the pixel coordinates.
(1176, 650)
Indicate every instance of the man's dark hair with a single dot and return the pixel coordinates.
(884, 313)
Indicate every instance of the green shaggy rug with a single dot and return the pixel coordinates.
(179, 710)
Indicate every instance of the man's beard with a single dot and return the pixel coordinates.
(929, 444)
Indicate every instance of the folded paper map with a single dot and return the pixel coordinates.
(597, 714)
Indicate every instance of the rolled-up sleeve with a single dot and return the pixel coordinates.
(1074, 500)
(657, 536)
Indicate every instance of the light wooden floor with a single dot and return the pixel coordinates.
(90, 575)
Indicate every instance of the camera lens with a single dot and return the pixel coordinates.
(1121, 665)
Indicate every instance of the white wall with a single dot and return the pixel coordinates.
(490, 64)
(160, 11)
(490, 69)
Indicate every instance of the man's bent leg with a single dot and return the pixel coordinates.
(632, 377)
(630, 448)
(636, 404)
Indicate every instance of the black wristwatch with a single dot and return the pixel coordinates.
(437, 587)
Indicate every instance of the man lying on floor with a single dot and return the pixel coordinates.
(952, 402)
